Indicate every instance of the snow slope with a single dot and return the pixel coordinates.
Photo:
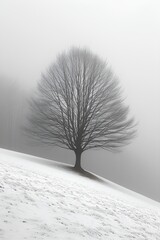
(41, 199)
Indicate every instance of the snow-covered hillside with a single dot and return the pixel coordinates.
(40, 199)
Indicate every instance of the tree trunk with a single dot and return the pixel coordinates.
(78, 161)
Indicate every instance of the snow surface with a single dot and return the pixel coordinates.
(41, 199)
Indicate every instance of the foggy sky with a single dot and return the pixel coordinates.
(127, 35)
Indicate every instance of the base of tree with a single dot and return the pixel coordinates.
(87, 174)
(78, 169)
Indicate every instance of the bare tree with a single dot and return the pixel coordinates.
(79, 106)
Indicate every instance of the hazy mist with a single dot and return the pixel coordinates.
(124, 33)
